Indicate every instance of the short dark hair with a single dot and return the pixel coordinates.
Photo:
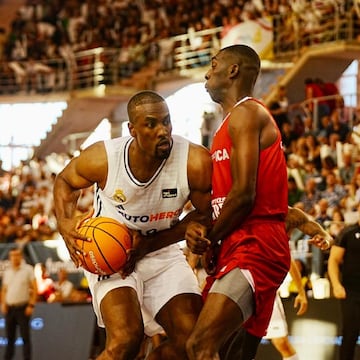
(247, 59)
(245, 55)
(141, 98)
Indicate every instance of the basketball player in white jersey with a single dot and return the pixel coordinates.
(143, 181)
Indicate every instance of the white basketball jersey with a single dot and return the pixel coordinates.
(151, 206)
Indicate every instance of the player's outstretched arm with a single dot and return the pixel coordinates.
(297, 218)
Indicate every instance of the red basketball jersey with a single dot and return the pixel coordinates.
(271, 188)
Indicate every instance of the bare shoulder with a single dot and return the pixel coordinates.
(252, 115)
(199, 153)
(199, 164)
(92, 162)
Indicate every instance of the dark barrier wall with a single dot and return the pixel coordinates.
(66, 332)
(58, 332)
(315, 335)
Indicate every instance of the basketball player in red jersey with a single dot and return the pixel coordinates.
(249, 200)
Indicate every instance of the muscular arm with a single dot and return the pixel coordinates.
(83, 171)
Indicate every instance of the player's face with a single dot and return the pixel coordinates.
(217, 81)
(152, 128)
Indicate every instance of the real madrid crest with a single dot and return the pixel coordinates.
(119, 196)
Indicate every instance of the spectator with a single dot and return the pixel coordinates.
(280, 106)
(310, 196)
(312, 172)
(337, 127)
(322, 215)
(45, 284)
(166, 51)
(288, 137)
(347, 169)
(294, 193)
(333, 192)
(309, 125)
(337, 222)
(296, 162)
(349, 202)
(64, 288)
(329, 153)
(18, 295)
(39, 77)
(330, 89)
(298, 125)
(319, 107)
(314, 150)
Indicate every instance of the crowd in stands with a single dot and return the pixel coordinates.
(45, 36)
(323, 158)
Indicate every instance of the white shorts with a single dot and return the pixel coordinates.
(278, 326)
(158, 277)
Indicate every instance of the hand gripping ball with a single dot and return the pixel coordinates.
(106, 253)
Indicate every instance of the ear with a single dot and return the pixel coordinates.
(131, 129)
(234, 70)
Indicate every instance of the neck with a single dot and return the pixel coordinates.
(142, 167)
(232, 101)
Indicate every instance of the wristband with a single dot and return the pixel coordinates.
(327, 242)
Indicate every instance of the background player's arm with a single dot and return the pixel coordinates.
(296, 218)
(301, 298)
(81, 172)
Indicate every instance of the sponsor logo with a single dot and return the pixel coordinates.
(169, 193)
(148, 218)
(95, 263)
(220, 155)
(216, 206)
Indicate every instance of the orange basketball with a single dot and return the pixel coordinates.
(106, 253)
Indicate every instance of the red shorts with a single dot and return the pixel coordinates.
(263, 249)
